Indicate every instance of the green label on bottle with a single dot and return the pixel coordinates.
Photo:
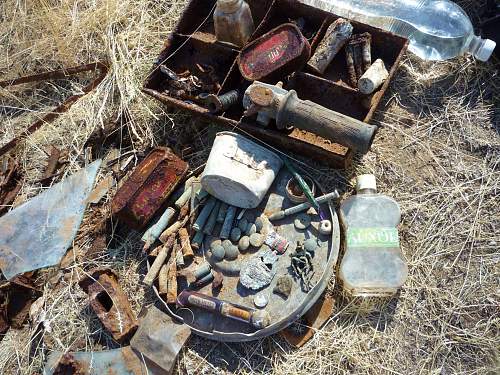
(372, 237)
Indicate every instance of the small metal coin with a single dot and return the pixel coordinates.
(242, 224)
(232, 252)
(259, 224)
(256, 240)
(235, 234)
(244, 243)
(260, 300)
(302, 221)
(251, 229)
(218, 253)
(311, 245)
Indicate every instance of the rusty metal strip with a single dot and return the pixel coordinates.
(314, 320)
(64, 106)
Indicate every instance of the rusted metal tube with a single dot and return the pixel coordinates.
(221, 103)
(222, 212)
(158, 262)
(187, 250)
(337, 34)
(173, 229)
(212, 219)
(228, 222)
(153, 232)
(358, 56)
(373, 77)
(204, 214)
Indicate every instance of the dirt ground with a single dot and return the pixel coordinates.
(437, 153)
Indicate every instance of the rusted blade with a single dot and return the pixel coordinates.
(38, 233)
(315, 318)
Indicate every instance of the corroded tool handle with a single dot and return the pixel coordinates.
(331, 125)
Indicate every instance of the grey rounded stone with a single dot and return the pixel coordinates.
(242, 224)
(251, 229)
(259, 224)
(244, 243)
(310, 245)
(232, 252)
(256, 240)
(214, 243)
(302, 221)
(218, 253)
(260, 300)
(235, 234)
(226, 244)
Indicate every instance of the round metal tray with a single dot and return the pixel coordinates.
(283, 312)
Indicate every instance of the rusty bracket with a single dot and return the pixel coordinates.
(110, 303)
(64, 106)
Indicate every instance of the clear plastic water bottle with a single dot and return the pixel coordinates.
(372, 264)
(437, 29)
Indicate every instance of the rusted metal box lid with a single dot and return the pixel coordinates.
(282, 50)
(148, 187)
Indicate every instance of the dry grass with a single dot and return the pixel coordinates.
(438, 154)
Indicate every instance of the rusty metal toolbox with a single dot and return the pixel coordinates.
(193, 46)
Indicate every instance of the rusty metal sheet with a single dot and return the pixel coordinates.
(148, 187)
(123, 361)
(298, 334)
(110, 303)
(160, 339)
(64, 106)
(38, 233)
(282, 50)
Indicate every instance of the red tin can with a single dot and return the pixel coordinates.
(281, 51)
(148, 187)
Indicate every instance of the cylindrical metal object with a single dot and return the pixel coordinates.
(198, 283)
(197, 239)
(303, 206)
(221, 103)
(228, 222)
(335, 37)
(373, 77)
(204, 214)
(154, 232)
(186, 248)
(158, 262)
(184, 197)
(331, 125)
(212, 219)
(258, 319)
(173, 229)
(203, 270)
(358, 56)
(222, 212)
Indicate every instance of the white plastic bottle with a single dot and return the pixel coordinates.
(437, 29)
(372, 264)
(233, 22)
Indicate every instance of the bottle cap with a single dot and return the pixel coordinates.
(485, 50)
(366, 181)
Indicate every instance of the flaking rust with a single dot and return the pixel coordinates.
(358, 56)
(110, 303)
(148, 187)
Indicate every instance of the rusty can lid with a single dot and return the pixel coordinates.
(283, 48)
